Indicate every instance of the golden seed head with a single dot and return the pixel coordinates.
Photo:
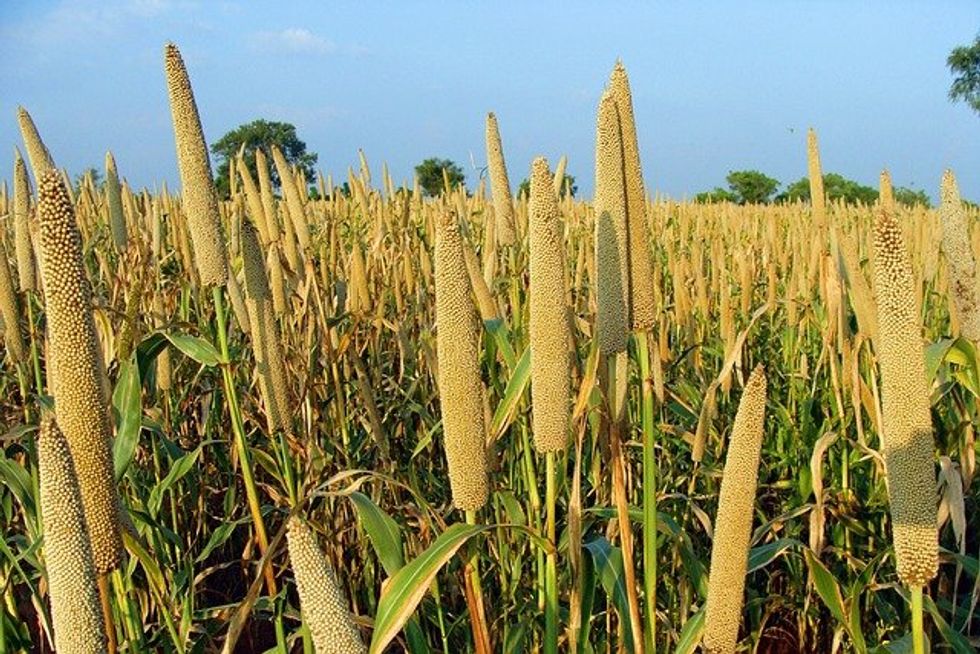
(200, 198)
(253, 263)
(75, 607)
(266, 339)
(277, 280)
(9, 313)
(817, 201)
(642, 303)
(503, 203)
(27, 279)
(117, 219)
(75, 375)
(321, 597)
(294, 202)
(237, 303)
(254, 198)
(611, 240)
(733, 522)
(37, 152)
(959, 258)
(548, 324)
(886, 197)
(907, 440)
(460, 385)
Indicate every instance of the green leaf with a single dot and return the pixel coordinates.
(126, 399)
(15, 477)
(382, 530)
(762, 555)
(181, 467)
(826, 586)
(935, 355)
(196, 348)
(957, 641)
(501, 336)
(608, 562)
(148, 349)
(407, 587)
(516, 386)
(691, 634)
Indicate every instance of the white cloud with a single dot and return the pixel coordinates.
(294, 40)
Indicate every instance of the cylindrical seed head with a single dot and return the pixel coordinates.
(321, 598)
(254, 199)
(886, 197)
(277, 281)
(959, 258)
(642, 303)
(733, 523)
(548, 326)
(200, 199)
(75, 608)
(266, 339)
(117, 220)
(27, 279)
(815, 172)
(294, 202)
(611, 240)
(9, 314)
(907, 440)
(460, 385)
(37, 153)
(75, 377)
(503, 203)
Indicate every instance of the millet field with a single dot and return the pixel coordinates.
(300, 419)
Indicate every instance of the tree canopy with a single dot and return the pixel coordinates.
(429, 173)
(261, 134)
(751, 186)
(744, 187)
(964, 64)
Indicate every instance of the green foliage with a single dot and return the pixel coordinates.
(567, 186)
(717, 195)
(964, 64)
(429, 173)
(261, 134)
(836, 187)
(744, 187)
(751, 186)
(911, 197)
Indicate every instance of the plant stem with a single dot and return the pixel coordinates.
(918, 637)
(474, 596)
(649, 497)
(551, 573)
(238, 428)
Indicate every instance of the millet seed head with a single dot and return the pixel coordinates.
(37, 153)
(460, 385)
(199, 197)
(611, 237)
(26, 274)
(907, 438)
(75, 608)
(733, 522)
(9, 313)
(321, 598)
(642, 303)
(548, 326)
(503, 203)
(959, 258)
(75, 374)
(117, 219)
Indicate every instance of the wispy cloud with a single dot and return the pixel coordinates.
(293, 40)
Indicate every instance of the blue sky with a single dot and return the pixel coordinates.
(717, 86)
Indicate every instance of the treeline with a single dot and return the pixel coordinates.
(754, 187)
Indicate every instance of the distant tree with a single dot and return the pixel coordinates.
(835, 186)
(964, 64)
(717, 195)
(261, 134)
(744, 187)
(429, 173)
(911, 197)
(96, 178)
(568, 186)
(751, 186)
